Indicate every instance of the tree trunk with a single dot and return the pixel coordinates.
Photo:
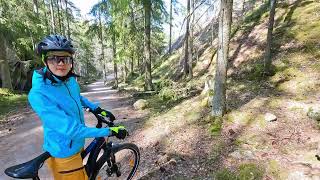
(267, 56)
(132, 60)
(5, 74)
(243, 11)
(45, 16)
(186, 41)
(102, 49)
(4, 66)
(53, 26)
(219, 97)
(133, 38)
(125, 71)
(147, 60)
(59, 17)
(115, 68)
(87, 66)
(170, 28)
(62, 19)
(68, 23)
(36, 7)
(190, 53)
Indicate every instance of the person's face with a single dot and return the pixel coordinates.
(59, 63)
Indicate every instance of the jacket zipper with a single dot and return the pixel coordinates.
(77, 107)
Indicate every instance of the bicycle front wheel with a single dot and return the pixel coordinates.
(122, 163)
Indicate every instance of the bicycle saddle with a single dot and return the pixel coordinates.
(28, 169)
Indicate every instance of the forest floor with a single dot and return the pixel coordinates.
(177, 144)
(159, 141)
(178, 140)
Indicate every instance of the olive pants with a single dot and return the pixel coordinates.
(70, 168)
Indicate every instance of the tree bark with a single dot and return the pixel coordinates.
(170, 29)
(62, 19)
(36, 7)
(4, 66)
(58, 15)
(133, 38)
(45, 16)
(267, 56)
(147, 61)
(53, 26)
(125, 71)
(115, 68)
(68, 23)
(132, 60)
(186, 41)
(190, 53)
(102, 49)
(5, 74)
(219, 97)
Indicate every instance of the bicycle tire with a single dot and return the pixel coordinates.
(119, 151)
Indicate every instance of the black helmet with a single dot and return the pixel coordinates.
(55, 43)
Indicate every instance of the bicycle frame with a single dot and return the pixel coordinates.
(93, 164)
(94, 149)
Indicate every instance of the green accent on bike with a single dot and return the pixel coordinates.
(103, 113)
(116, 129)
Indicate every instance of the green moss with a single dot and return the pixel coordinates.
(164, 69)
(192, 115)
(256, 72)
(216, 126)
(275, 170)
(225, 174)
(239, 117)
(261, 121)
(162, 83)
(167, 94)
(275, 103)
(255, 15)
(11, 101)
(247, 171)
(307, 31)
(316, 66)
(250, 171)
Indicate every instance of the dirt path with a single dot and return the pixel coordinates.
(24, 141)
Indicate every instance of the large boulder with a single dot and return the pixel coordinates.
(140, 104)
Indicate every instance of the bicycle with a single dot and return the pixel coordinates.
(106, 159)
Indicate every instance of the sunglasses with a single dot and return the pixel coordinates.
(57, 59)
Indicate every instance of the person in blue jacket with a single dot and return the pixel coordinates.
(55, 97)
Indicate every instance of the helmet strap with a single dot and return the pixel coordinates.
(43, 57)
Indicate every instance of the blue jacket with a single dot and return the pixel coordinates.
(59, 107)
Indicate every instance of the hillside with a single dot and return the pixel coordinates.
(243, 144)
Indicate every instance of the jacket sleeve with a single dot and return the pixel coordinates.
(86, 103)
(56, 119)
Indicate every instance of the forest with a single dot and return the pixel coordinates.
(211, 89)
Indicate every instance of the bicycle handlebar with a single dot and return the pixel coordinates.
(101, 120)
